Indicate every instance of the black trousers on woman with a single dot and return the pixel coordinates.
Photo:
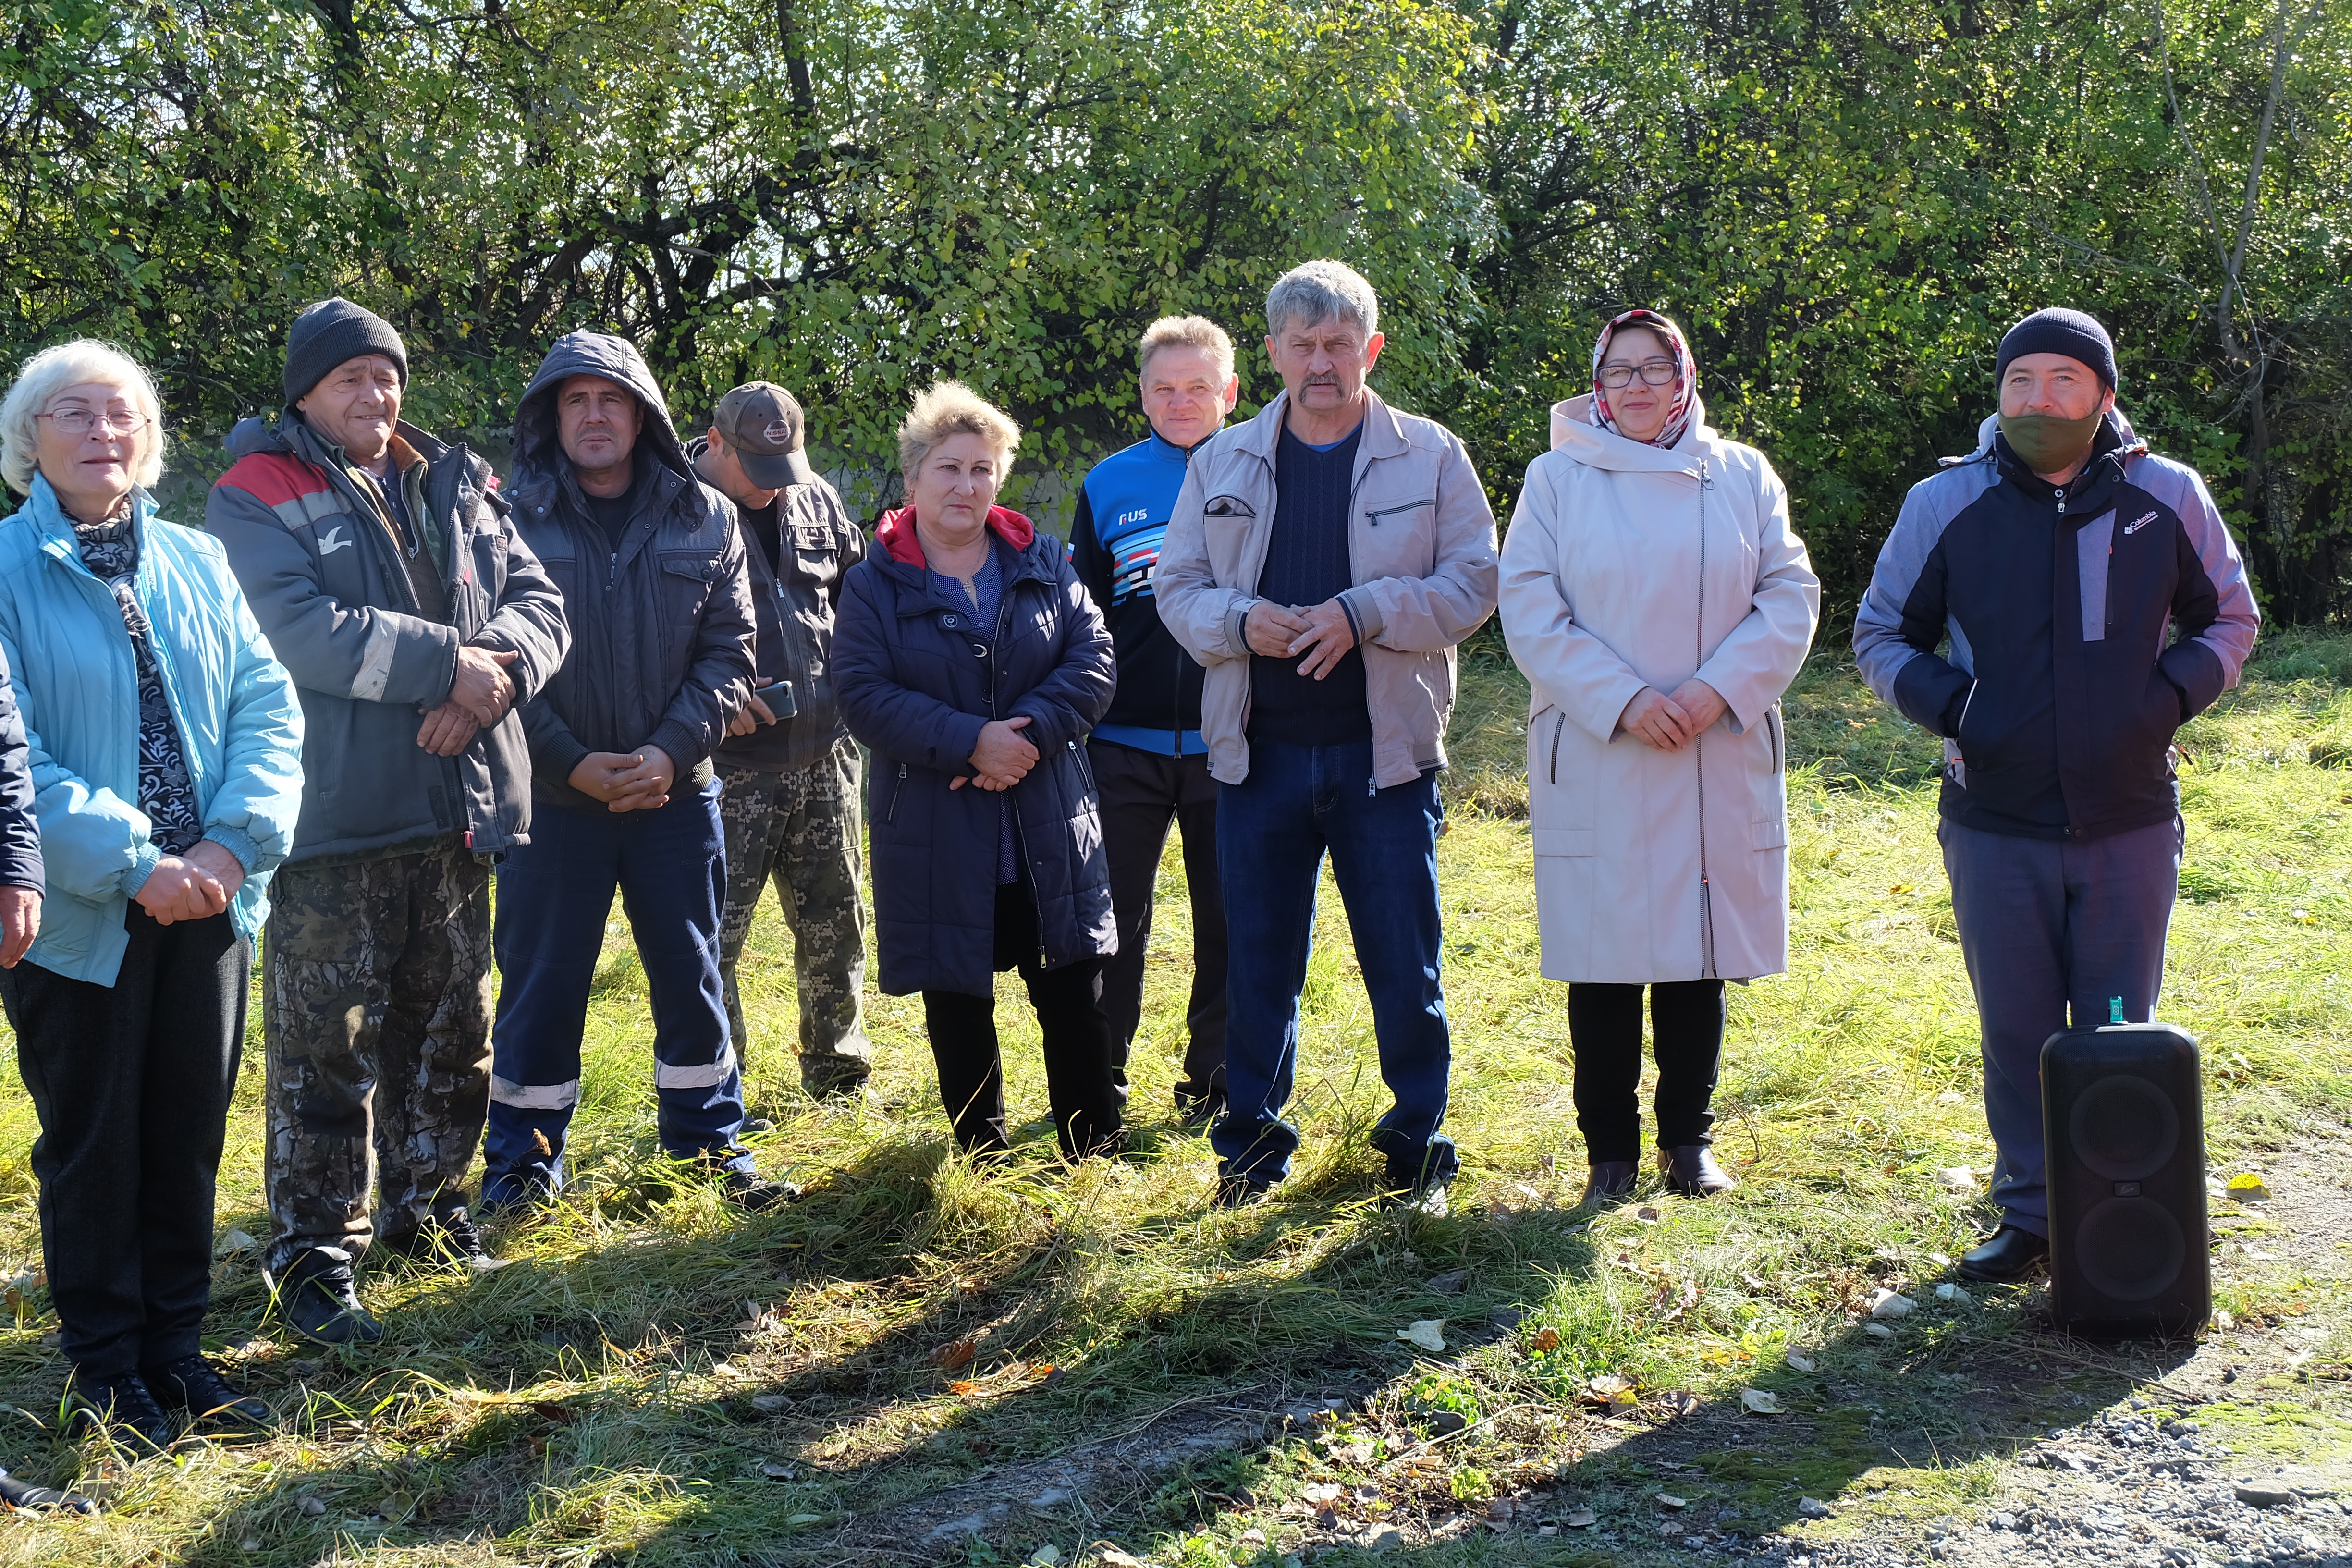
(1077, 1045)
(1604, 1028)
(131, 1082)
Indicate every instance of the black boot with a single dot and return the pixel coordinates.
(318, 1299)
(19, 1493)
(2011, 1255)
(1691, 1171)
(123, 1402)
(1609, 1179)
(451, 1238)
(194, 1385)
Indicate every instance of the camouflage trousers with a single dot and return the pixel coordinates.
(376, 1020)
(799, 831)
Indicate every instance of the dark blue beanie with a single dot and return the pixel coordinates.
(2057, 331)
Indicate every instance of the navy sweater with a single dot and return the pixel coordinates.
(1307, 563)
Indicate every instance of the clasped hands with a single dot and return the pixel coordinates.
(479, 698)
(1322, 632)
(1669, 724)
(1003, 758)
(626, 781)
(191, 887)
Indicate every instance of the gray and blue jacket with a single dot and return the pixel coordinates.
(2083, 623)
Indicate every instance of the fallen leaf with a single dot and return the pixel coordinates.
(1679, 1402)
(1320, 1491)
(1949, 1292)
(1047, 1555)
(1802, 1361)
(1900, 888)
(1956, 1179)
(1545, 1340)
(1878, 1330)
(562, 1414)
(955, 1357)
(539, 1141)
(1668, 1499)
(2223, 1319)
(1760, 1402)
(805, 1518)
(776, 1472)
(961, 1386)
(1646, 1215)
(238, 1241)
(2249, 1188)
(1884, 1303)
(1429, 1333)
(769, 1403)
(1579, 1519)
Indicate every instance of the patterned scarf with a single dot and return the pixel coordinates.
(1678, 410)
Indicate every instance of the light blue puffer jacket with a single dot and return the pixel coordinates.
(77, 687)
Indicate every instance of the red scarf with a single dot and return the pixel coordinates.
(1678, 409)
(896, 533)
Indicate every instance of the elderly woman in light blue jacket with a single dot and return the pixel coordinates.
(165, 746)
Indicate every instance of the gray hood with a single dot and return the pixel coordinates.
(540, 462)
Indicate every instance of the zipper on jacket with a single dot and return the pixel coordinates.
(1559, 723)
(896, 790)
(1019, 839)
(1374, 517)
(1698, 748)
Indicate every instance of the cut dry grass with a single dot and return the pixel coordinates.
(658, 1380)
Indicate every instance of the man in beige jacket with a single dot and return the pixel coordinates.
(1323, 561)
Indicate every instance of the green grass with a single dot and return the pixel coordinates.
(596, 1400)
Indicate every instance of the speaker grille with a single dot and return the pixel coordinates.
(2131, 1248)
(2125, 1128)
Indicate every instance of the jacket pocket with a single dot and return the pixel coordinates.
(1401, 511)
(897, 790)
(1780, 741)
(685, 580)
(1558, 723)
(1229, 506)
(1768, 832)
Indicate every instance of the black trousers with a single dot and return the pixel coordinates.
(1078, 1044)
(1140, 795)
(1604, 1027)
(132, 1084)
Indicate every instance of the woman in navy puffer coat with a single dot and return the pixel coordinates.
(972, 663)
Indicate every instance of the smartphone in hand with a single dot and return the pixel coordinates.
(778, 696)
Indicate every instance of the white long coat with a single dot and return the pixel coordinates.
(1629, 565)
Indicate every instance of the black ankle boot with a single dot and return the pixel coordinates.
(1609, 1179)
(1691, 1171)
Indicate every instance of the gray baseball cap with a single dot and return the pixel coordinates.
(762, 425)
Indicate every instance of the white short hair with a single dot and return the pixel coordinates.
(1187, 333)
(1319, 291)
(47, 374)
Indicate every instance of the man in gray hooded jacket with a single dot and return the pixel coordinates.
(388, 575)
(659, 595)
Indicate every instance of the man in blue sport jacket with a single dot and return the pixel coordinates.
(1150, 763)
(2089, 601)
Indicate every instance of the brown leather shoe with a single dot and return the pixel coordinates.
(1691, 1171)
(1609, 1179)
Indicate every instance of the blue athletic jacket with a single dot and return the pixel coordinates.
(2086, 623)
(1123, 511)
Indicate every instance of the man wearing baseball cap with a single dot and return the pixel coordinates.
(789, 771)
(386, 570)
(2056, 606)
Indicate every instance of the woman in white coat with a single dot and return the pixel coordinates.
(1659, 605)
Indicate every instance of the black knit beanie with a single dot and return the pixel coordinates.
(2057, 331)
(331, 332)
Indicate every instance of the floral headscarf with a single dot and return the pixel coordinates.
(1678, 408)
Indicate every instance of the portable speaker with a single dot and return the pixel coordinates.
(2123, 1123)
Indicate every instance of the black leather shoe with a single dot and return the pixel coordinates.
(123, 1404)
(194, 1385)
(754, 1194)
(2011, 1253)
(450, 1239)
(1691, 1171)
(19, 1493)
(319, 1300)
(1609, 1179)
(1198, 1110)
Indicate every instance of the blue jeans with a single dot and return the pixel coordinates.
(554, 896)
(1272, 831)
(2054, 934)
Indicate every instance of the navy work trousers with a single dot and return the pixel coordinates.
(554, 896)
(1273, 831)
(2056, 934)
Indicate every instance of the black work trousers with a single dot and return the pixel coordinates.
(1141, 794)
(1604, 1028)
(1078, 1043)
(132, 1084)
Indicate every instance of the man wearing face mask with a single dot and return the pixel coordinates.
(2088, 600)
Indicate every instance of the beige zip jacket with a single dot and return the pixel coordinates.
(1421, 546)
